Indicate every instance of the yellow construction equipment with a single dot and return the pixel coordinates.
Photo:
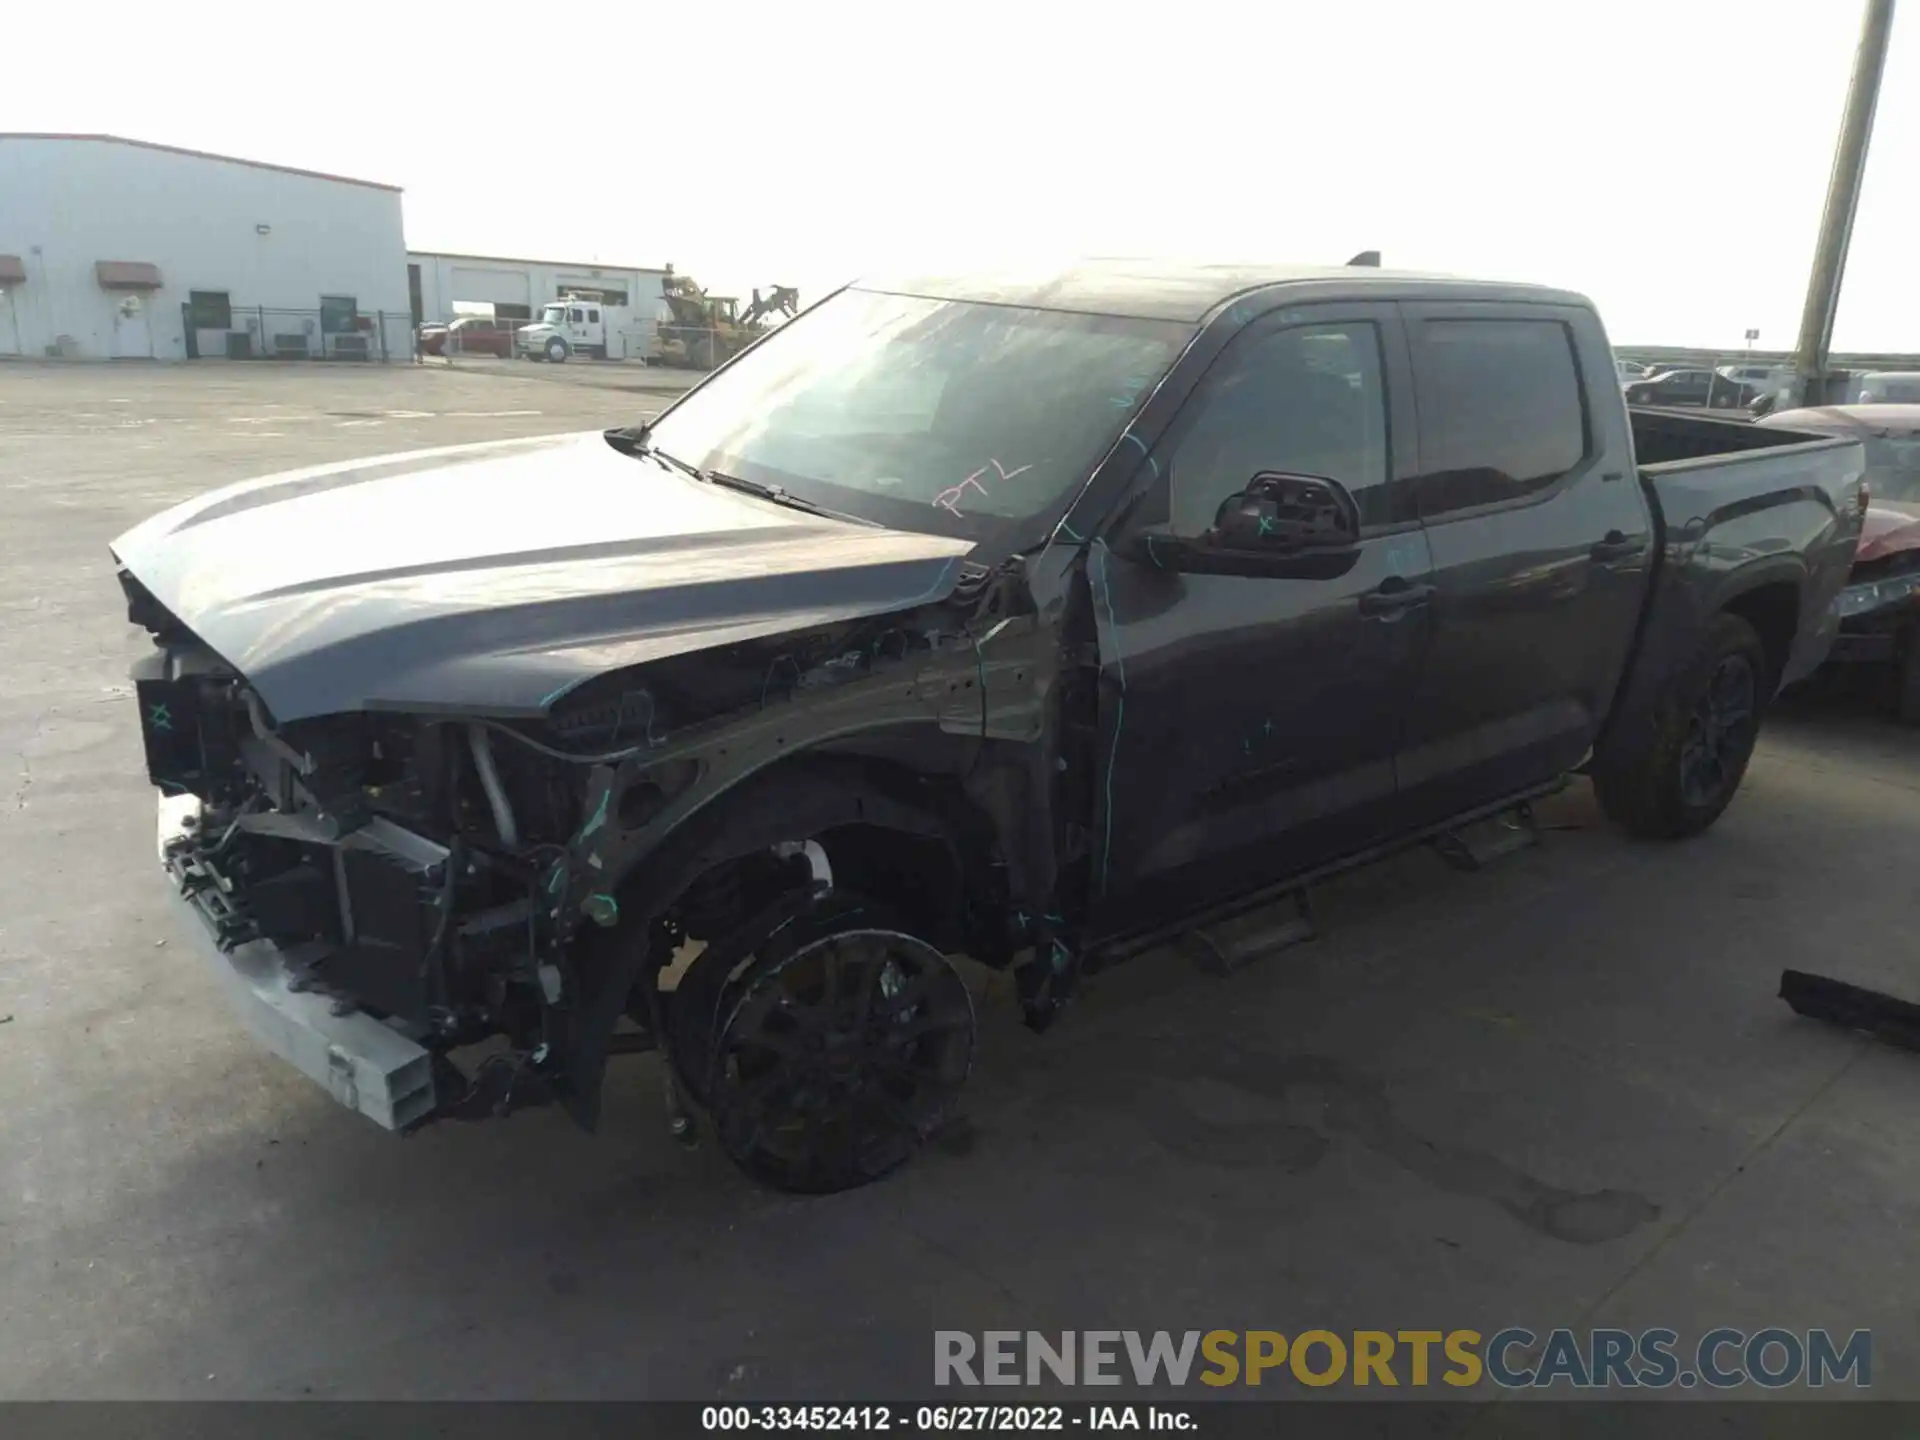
(708, 330)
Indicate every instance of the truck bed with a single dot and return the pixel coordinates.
(1665, 438)
(1750, 518)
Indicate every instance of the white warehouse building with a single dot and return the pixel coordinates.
(445, 287)
(122, 249)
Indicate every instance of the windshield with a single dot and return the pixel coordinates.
(923, 414)
(554, 315)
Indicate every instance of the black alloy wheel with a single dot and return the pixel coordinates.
(1720, 732)
(841, 1058)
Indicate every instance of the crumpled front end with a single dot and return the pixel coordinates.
(408, 907)
(321, 872)
(1880, 603)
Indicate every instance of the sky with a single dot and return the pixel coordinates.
(1668, 158)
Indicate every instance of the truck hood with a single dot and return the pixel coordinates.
(490, 579)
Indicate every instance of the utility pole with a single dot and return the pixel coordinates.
(1843, 198)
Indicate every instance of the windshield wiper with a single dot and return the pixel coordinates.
(636, 440)
(780, 496)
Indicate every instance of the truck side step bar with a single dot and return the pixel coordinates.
(1817, 997)
(1223, 948)
(1475, 847)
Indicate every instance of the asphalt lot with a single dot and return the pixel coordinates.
(1560, 1092)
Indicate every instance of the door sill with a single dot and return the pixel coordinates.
(1127, 944)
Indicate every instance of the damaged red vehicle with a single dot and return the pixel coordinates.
(1879, 610)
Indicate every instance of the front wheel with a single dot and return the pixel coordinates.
(845, 1052)
(1706, 723)
(556, 351)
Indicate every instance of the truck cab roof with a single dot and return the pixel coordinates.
(1153, 289)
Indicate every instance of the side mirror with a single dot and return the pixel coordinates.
(1280, 512)
(1303, 526)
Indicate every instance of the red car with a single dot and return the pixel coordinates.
(469, 335)
(1879, 610)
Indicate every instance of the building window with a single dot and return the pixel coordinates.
(339, 314)
(209, 310)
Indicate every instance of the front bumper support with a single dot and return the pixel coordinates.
(364, 1063)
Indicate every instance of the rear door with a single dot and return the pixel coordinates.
(1540, 541)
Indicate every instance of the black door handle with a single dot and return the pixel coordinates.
(1616, 547)
(1394, 597)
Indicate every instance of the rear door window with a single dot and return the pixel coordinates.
(1502, 413)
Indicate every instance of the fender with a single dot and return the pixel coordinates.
(792, 801)
(1683, 597)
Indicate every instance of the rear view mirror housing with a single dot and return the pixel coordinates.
(1281, 523)
(1280, 511)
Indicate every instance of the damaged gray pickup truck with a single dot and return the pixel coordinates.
(1031, 618)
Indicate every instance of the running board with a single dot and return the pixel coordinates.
(1475, 847)
(1223, 948)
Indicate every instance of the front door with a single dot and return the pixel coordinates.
(132, 340)
(1541, 543)
(1250, 723)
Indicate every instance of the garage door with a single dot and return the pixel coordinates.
(490, 287)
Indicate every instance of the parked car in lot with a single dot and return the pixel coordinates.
(1689, 387)
(1033, 618)
(1760, 380)
(469, 335)
(1888, 387)
(1631, 370)
(1879, 610)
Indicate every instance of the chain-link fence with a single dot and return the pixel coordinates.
(633, 341)
(268, 332)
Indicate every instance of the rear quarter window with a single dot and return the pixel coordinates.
(1502, 412)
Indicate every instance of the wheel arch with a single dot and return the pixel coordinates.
(1770, 601)
(797, 798)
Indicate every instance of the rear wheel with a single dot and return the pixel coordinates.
(1705, 728)
(845, 1050)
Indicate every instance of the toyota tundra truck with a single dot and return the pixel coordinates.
(1031, 618)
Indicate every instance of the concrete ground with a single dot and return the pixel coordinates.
(1560, 1092)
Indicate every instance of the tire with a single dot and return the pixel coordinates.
(556, 351)
(844, 1050)
(1702, 742)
